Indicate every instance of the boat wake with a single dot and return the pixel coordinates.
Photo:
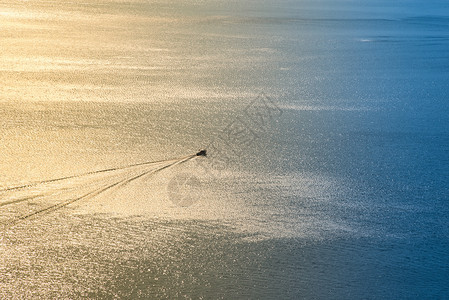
(23, 202)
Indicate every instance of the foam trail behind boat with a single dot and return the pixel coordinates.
(129, 173)
(83, 174)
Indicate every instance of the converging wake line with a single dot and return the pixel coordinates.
(83, 174)
(130, 176)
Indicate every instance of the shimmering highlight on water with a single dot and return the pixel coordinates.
(341, 193)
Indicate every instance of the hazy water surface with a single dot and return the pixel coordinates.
(339, 189)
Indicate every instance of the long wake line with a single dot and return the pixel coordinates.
(88, 173)
(89, 195)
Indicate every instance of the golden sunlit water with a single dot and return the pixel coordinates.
(325, 125)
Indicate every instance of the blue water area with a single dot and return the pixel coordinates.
(327, 130)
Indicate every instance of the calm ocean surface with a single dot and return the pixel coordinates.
(327, 129)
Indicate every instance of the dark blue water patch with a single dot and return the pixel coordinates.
(364, 268)
(439, 21)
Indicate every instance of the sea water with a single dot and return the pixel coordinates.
(326, 125)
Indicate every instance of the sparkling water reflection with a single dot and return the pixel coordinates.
(343, 195)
